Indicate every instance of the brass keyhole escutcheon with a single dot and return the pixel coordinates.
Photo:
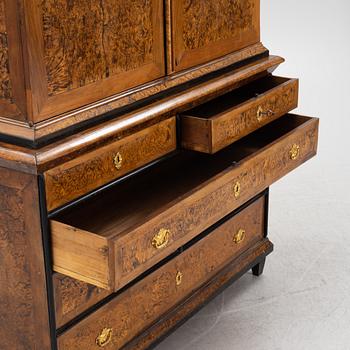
(161, 239)
(260, 114)
(179, 277)
(118, 161)
(104, 337)
(239, 236)
(237, 189)
(294, 152)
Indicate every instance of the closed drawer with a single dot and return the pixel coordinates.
(116, 323)
(115, 236)
(222, 121)
(89, 171)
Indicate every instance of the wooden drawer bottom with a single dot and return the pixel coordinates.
(141, 305)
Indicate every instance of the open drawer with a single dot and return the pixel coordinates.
(218, 123)
(115, 236)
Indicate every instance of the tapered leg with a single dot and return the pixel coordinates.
(259, 268)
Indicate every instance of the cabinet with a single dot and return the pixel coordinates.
(138, 142)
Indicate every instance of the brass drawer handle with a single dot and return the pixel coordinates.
(104, 337)
(161, 239)
(294, 152)
(179, 277)
(260, 113)
(237, 189)
(239, 236)
(118, 161)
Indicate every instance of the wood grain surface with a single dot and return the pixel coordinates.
(204, 30)
(184, 195)
(199, 298)
(87, 41)
(73, 297)
(143, 303)
(92, 170)
(23, 297)
(5, 83)
(222, 121)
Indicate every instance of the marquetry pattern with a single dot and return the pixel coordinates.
(212, 202)
(142, 303)
(85, 173)
(227, 130)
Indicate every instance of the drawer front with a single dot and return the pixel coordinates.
(209, 135)
(86, 173)
(142, 304)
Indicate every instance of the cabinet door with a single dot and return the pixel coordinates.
(203, 30)
(82, 51)
(12, 88)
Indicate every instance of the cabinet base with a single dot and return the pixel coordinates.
(253, 259)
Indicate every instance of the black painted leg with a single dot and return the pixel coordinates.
(259, 268)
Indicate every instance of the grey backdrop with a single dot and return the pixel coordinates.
(303, 299)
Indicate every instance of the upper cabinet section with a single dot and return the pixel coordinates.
(66, 62)
(203, 30)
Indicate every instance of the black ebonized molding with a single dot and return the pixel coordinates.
(46, 238)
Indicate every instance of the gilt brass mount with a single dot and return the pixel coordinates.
(239, 236)
(104, 337)
(161, 239)
(118, 161)
(294, 152)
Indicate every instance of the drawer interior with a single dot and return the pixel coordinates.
(130, 203)
(235, 98)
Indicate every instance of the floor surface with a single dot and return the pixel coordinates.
(303, 299)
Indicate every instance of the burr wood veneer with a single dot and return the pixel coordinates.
(138, 140)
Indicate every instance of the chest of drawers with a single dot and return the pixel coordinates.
(138, 142)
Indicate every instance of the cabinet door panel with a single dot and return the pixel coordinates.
(12, 94)
(81, 51)
(203, 30)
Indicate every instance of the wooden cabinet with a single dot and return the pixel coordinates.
(203, 30)
(138, 141)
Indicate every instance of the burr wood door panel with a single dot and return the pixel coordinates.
(82, 51)
(203, 30)
(218, 123)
